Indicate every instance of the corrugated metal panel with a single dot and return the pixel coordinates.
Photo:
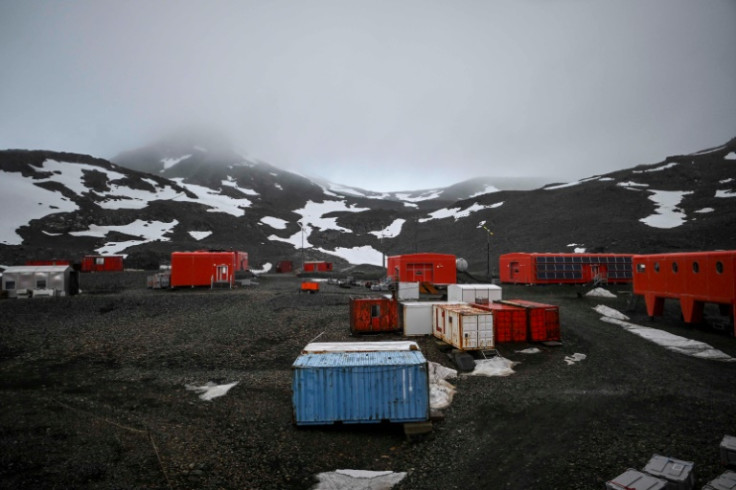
(463, 326)
(360, 387)
(474, 293)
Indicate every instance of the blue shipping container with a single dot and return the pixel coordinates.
(360, 387)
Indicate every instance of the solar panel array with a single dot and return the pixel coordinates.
(570, 267)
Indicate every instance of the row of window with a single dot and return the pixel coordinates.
(583, 259)
(641, 267)
(40, 284)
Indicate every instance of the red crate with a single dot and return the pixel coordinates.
(509, 322)
(372, 315)
(543, 320)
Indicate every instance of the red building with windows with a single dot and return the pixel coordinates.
(423, 267)
(564, 268)
(693, 278)
(102, 263)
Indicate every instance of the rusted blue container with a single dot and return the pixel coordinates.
(360, 387)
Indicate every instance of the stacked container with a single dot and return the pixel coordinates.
(509, 322)
(543, 320)
(474, 293)
(463, 326)
(360, 382)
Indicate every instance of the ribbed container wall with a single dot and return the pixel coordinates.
(360, 387)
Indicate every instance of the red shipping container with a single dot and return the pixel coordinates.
(48, 262)
(372, 315)
(509, 322)
(206, 268)
(317, 266)
(543, 320)
(423, 267)
(102, 263)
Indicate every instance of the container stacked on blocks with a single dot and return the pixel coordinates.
(463, 326)
(360, 383)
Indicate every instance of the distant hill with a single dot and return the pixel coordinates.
(193, 192)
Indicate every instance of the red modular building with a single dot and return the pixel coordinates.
(102, 263)
(49, 262)
(206, 268)
(317, 266)
(564, 268)
(372, 315)
(423, 267)
(694, 278)
(284, 266)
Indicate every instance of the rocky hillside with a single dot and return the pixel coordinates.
(187, 194)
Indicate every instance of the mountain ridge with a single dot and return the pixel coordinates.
(67, 205)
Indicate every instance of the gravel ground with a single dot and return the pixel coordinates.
(94, 395)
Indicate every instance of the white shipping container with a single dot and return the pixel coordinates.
(416, 317)
(474, 293)
(463, 326)
(407, 291)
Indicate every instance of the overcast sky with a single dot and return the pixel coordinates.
(384, 95)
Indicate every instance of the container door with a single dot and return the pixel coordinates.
(514, 271)
(221, 273)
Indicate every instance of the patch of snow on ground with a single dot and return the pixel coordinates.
(391, 231)
(211, 390)
(358, 480)
(530, 350)
(458, 213)
(413, 197)
(722, 193)
(71, 175)
(441, 392)
(278, 186)
(266, 268)
(495, 366)
(705, 210)
(579, 250)
(657, 169)
(667, 214)
(357, 255)
(631, 185)
(730, 156)
(575, 358)
(199, 235)
(276, 223)
(488, 189)
(29, 202)
(148, 231)
(725, 181)
(216, 201)
(231, 182)
(341, 189)
(672, 342)
(170, 162)
(600, 293)
(609, 312)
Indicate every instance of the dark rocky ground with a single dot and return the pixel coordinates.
(93, 396)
